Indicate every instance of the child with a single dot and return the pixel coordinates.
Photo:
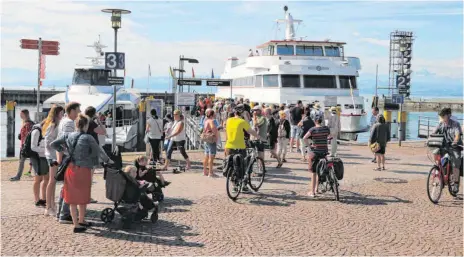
(148, 174)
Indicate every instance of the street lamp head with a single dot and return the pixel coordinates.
(116, 16)
(190, 60)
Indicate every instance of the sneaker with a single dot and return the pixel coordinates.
(245, 189)
(27, 173)
(166, 183)
(50, 212)
(46, 212)
(93, 200)
(374, 160)
(15, 179)
(80, 230)
(284, 160)
(66, 220)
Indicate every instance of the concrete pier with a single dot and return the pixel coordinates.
(425, 105)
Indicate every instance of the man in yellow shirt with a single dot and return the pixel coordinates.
(235, 128)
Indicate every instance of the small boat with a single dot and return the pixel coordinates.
(90, 87)
(291, 69)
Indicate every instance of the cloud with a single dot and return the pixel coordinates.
(376, 41)
(356, 34)
(77, 24)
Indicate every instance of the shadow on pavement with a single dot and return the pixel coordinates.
(348, 197)
(270, 197)
(409, 172)
(163, 233)
(391, 180)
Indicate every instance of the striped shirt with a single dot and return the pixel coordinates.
(319, 137)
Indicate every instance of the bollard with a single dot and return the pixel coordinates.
(388, 120)
(402, 119)
(10, 128)
(141, 127)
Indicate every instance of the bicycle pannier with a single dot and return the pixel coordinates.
(435, 141)
(339, 169)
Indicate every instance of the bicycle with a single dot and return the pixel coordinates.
(327, 177)
(255, 171)
(440, 174)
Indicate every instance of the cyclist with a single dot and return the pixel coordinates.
(318, 148)
(451, 130)
(235, 136)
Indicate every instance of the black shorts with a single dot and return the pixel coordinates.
(260, 146)
(381, 150)
(52, 163)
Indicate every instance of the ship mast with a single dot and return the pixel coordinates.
(289, 28)
(98, 47)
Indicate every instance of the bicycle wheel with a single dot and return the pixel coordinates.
(434, 184)
(256, 174)
(233, 185)
(334, 183)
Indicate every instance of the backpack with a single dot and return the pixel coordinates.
(26, 149)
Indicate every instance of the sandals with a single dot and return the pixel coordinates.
(377, 169)
(383, 168)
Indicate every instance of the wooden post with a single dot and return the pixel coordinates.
(10, 129)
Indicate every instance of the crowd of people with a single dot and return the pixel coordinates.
(68, 133)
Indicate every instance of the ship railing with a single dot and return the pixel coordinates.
(426, 125)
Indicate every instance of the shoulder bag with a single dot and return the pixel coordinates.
(208, 136)
(59, 176)
(375, 147)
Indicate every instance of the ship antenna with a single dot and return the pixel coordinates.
(98, 47)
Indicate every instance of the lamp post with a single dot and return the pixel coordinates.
(175, 85)
(115, 24)
(181, 67)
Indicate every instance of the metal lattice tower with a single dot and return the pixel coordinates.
(400, 58)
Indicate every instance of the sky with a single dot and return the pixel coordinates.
(157, 33)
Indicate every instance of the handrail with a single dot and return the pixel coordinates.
(426, 125)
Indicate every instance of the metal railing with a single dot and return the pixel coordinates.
(192, 130)
(426, 125)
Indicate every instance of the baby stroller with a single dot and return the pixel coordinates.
(130, 201)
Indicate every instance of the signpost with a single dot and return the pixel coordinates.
(398, 99)
(115, 60)
(116, 80)
(218, 82)
(185, 99)
(189, 82)
(44, 47)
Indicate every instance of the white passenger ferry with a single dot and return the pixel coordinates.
(285, 71)
(90, 87)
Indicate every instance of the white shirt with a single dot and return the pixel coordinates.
(181, 136)
(35, 145)
(50, 135)
(66, 126)
(156, 127)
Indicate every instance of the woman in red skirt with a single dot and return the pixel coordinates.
(85, 153)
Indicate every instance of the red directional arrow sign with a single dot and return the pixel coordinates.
(29, 42)
(50, 43)
(50, 48)
(50, 52)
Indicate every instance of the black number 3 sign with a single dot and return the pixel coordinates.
(115, 61)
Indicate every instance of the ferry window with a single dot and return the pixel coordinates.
(271, 50)
(259, 81)
(91, 77)
(250, 81)
(312, 81)
(332, 51)
(290, 80)
(271, 80)
(285, 50)
(345, 81)
(309, 50)
(349, 106)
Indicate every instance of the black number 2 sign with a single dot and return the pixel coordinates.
(115, 61)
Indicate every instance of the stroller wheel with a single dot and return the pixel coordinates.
(154, 217)
(107, 215)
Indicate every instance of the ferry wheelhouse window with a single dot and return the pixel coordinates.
(333, 51)
(259, 81)
(285, 50)
(345, 81)
(271, 80)
(91, 77)
(350, 106)
(309, 50)
(315, 81)
(290, 80)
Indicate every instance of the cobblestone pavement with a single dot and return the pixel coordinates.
(380, 213)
